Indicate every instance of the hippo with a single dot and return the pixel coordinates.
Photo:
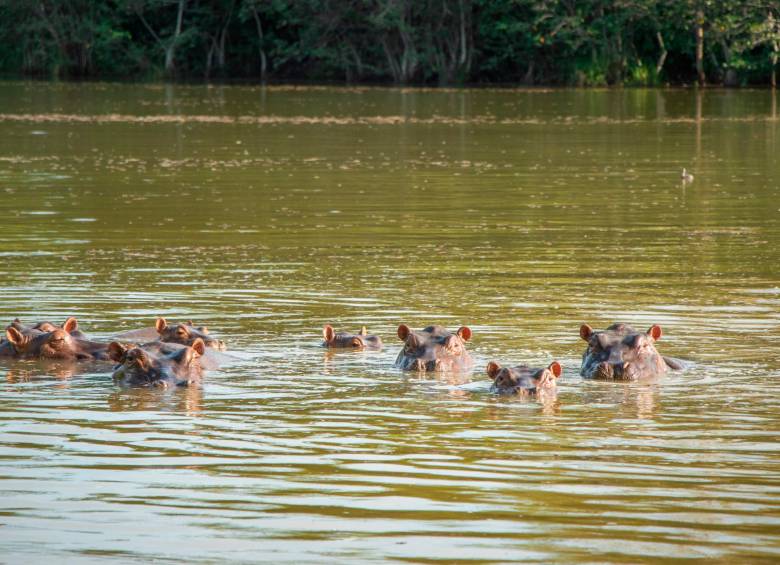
(71, 325)
(55, 344)
(622, 353)
(362, 340)
(522, 380)
(434, 349)
(186, 334)
(137, 366)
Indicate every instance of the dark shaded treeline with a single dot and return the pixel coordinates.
(583, 42)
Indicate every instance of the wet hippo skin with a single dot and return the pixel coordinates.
(522, 380)
(346, 340)
(55, 344)
(434, 349)
(137, 366)
(186, 334)
(623, 353)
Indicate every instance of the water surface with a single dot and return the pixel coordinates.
(268, 212)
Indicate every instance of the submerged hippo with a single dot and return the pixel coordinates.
(522, 380)
(362, 340)
(621, 352)
(434, 349)
(71, 325)
(186, 334)
(143, 367)
(55, 344)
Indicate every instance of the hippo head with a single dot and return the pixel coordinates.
(71, 325)
(522, 380)
(434, 349)
(621, 352)
(186, 334)
(362, 340)
(141, 367)
(55, 344)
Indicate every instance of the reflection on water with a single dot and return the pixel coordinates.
(267, 213)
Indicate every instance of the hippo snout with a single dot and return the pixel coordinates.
(621, 370)
(605, 371)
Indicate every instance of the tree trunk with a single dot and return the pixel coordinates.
(261, 47)
(662, 57)
(700, 46)
(170, 51)
(392, 63)
(210, 59)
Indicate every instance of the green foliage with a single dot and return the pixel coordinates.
(578, 42)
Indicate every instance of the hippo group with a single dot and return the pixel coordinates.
(175, 356)
(618, 353)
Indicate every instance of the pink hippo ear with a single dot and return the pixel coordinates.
(70, 325)
(328, 333)
(655, 332)
(492, 369)
(464, 333)
(555, 369)
(14, 336)
(585, 332)
(199, 346)
(160, 325)
(403, 332)
(116, 351)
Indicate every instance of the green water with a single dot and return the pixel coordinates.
(268, 212)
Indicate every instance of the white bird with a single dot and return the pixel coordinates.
(686, 176)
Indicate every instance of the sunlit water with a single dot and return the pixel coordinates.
(267, 213)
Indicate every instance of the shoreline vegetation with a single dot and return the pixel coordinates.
(403, 42)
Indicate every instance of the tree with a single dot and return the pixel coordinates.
(167, 45)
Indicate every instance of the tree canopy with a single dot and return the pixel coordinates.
(573, 42)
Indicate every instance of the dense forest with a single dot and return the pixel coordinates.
(571, 42)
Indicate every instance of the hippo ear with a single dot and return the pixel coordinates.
(199, 346)
(328, 333)
(403, 332)
(14, 336)
(585, 332)
(555, 369)
(655, 332)
(363, 331)
(464, 333)
(116, 351)
(160, 325)
(492, 369)
(70, 325)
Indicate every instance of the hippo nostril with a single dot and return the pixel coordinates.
(419, 365)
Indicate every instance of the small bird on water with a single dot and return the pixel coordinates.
(686, 176)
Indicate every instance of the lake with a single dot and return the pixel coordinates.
(267, 212)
